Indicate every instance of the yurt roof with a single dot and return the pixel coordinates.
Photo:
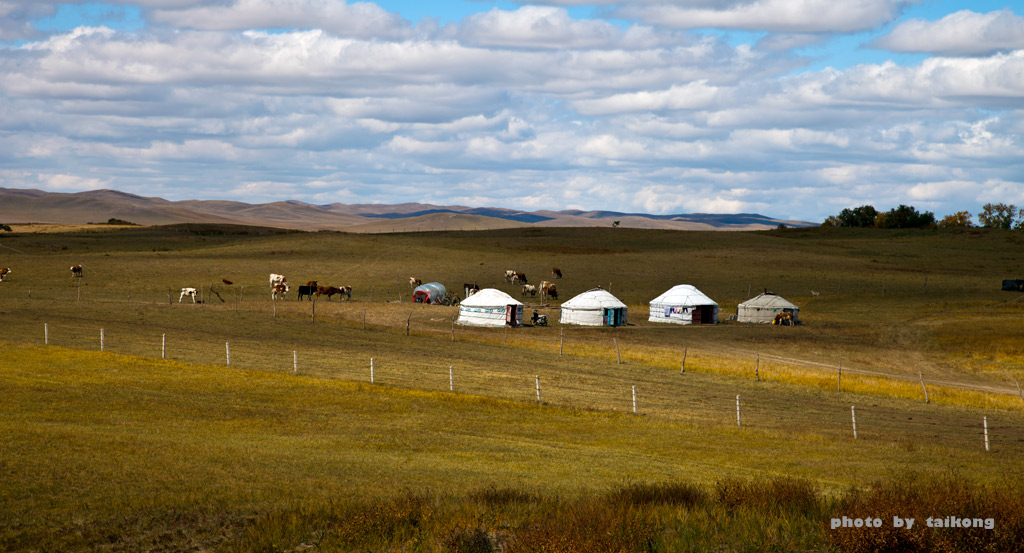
(490, 297)
(594, 299)
(684, 295)
(770, 300)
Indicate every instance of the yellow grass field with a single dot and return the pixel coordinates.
(123, 450)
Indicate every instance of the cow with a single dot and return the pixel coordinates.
(331, 290)
(276, 279)
(529, 289)
(519, 278)
(189, 292)
(785, 318)
(509, 275)
(556, 272)
(76, 271)
(547, 290)
(307, 290)
(414, 282)
(279, 289)
(815, 294)
(4, 272)
(226, 281)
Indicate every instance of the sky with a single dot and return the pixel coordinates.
(793, 109)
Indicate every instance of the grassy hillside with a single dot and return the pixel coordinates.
(141, 451)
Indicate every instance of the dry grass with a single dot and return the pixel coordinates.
(143, 452)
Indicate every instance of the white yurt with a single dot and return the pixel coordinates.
(684, 304)
(490, 307)
(594, 307)
(764, 308)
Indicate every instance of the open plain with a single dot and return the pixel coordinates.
(281, 450)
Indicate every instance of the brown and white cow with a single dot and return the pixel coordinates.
(187, 292)
(76, 271)
(4, 273)
(547, 290)
(331, 290)
(556, 272)
(276, 279)
(529, 289)
(509, 275)
(519, 278)
(279, 289)
(414, 282)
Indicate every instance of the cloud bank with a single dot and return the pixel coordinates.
(326, 100)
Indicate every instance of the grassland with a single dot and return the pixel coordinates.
(121, 450)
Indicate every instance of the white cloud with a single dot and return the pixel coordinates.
(790, 16)
(529, 108)
(963, 33)
(536, 27)
(690, 96)
(358, 19)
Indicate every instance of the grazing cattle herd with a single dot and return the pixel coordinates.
(279, 286)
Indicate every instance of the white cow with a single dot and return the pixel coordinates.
(190, 292)
(509, 275)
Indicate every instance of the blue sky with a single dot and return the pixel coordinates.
(790, 108)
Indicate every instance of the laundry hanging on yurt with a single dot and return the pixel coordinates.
(683, 304)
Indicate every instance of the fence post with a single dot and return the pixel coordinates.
(853, 415)
(451, 379)
(538, 389)
(163, 346)
(682, 364)
(923, 387)
(295, 361)
(757, 369)
(227, 352)
(839, 382)
(634, 400)
(984, 421)
(561, 339)
(618, 355)
(46, 336)
(364, 319)
(371, 370)
(739, 418)
(101, 339)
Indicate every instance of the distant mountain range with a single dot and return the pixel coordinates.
(97, 206)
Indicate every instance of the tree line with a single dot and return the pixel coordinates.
(1001, 216)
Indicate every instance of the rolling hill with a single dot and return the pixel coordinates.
(19, 206)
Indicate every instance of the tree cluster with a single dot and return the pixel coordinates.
(999, 215)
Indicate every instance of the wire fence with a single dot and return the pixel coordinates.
(484, 366)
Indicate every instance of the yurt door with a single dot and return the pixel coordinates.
(696, 315)
(510, 315)
(612, 317)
